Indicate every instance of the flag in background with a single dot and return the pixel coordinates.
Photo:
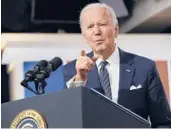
(55, 82)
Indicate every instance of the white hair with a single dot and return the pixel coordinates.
(101, 5)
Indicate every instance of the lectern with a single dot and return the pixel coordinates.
(71, 108)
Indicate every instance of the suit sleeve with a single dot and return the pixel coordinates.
(67, 76)
(159, 109)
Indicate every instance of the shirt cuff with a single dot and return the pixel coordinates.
(72, 83)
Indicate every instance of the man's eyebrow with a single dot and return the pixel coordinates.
(90, 24)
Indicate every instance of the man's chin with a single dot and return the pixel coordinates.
(99, 50)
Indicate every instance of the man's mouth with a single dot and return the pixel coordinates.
(98, 41)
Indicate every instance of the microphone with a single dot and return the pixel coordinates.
(30, 74)
(45, 72)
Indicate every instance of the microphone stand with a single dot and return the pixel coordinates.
(40, 88)
(28, 87)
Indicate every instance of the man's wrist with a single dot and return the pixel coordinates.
(80, 78)
(72, 83)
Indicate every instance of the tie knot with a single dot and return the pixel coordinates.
(103, 63)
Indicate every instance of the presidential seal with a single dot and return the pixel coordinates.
(28, 119)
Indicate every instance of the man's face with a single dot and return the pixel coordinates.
(98, 29)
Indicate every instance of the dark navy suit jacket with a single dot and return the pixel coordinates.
(150, 100)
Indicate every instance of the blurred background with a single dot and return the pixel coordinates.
(32, 30)
(52, 16)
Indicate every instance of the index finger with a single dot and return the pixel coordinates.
(83, 53)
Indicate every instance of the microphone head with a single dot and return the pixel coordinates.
(42, 63)
(55, 62)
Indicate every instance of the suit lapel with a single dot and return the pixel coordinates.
(126, 70)
(93, 78)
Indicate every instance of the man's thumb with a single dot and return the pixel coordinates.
(94, 58)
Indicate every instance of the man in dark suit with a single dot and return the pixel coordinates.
(126, 78)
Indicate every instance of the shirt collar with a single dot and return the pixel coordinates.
(113, 59)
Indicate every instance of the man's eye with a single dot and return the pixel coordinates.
(89, 27)
(103, 24)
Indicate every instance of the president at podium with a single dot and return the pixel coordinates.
(128, 79)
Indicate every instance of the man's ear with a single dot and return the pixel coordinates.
(83, 34)
(116, 30)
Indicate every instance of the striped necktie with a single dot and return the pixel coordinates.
(104, 79)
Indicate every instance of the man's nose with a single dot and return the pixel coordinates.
(97, 30)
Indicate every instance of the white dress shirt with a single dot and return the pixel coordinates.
(113, 70)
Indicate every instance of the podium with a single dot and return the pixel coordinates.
(73, 108)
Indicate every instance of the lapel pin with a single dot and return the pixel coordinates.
(128, 70)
